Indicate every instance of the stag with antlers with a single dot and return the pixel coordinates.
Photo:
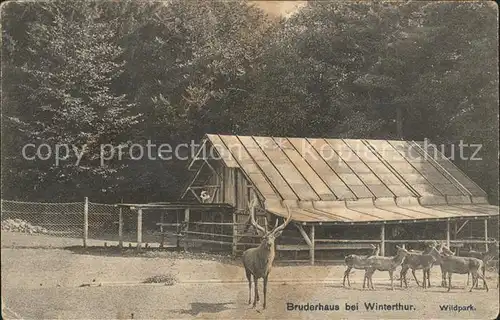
(258, 261)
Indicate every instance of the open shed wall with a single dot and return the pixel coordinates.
(234, 189)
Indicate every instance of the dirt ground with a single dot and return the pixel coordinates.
(46, 283)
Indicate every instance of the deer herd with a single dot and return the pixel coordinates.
(258, 261)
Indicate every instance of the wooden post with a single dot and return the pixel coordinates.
(486, 233)
(177, 229)
(85, 222)
(139, 228)
(162, 220)
(120, 227)
(382, 240)
(235, 233)
(186, 220)
(448, 233)
(311, 247)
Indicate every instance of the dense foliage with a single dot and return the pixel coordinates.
(126, 72)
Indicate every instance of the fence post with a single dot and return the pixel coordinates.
(139, 228)
(186, 221)
(85, 222)
(311, 248)
(486, 233)
(120, 227)
(162, 220)
(382, 240)
(235, 234)
(448, 233)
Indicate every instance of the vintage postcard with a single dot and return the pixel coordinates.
(249, 159)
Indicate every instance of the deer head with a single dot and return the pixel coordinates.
(268, 236)
(401, 251)
(445, 250)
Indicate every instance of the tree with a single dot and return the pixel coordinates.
(72, 61)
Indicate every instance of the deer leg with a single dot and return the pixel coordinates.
(483, 270)
(265, 292)
(365, 278)
(477, 282)
(371, 279)
(402, 276)
(449, 281)
(424, 283)
(484, 281)
(249, 278)
(474, 280)
(346, 275)
(391, 273)
(468, 276)
(349, 278)
(429, 278)
(256, 295)
(443, 278)
(415, 277)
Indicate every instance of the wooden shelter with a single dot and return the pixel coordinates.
(335, 182)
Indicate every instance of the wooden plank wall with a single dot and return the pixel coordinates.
(236, 189)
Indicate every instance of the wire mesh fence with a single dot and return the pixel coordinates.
(102, 221)
(58, 221)
(62, 224)
(55, 219)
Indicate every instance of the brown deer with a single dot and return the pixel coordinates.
(486, 257)
(421, 260)
(444, 250)
(354, 261)
(379, 263)
(259, 261)
(460, 265)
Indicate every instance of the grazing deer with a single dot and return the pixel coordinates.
(460, 265)
(354, 261)
(417, 260)
(486, 257)
(444, 250)
(258, 261)
(383, 264)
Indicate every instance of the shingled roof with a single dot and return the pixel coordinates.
(351, 180)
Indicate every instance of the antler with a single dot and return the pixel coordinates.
(287, 221)
(252, 216)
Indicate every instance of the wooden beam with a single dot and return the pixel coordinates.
(211, 168)
(382, 240)
(349, 241)
(196, 196)
(486, 233)
(311, 250)
(208, 186)
(196, 154)
(448, 233)
(304, 234)
(193, 180)
(462, 226)
(139, 228)
(216, 193)
(186, 220)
